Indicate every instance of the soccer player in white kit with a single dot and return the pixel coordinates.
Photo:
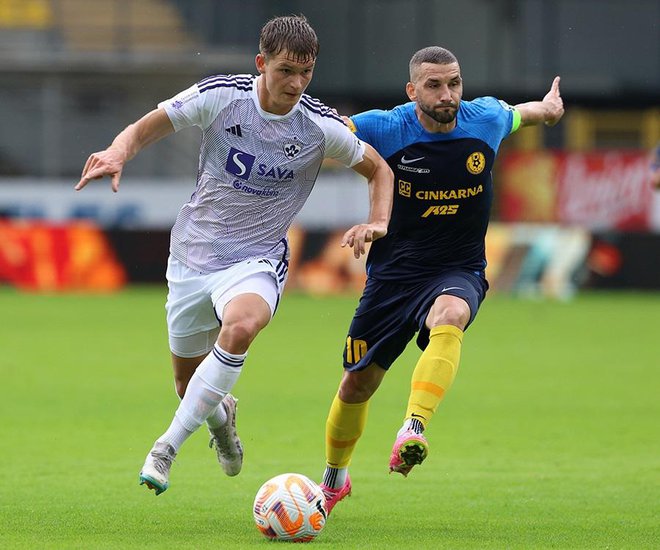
(263, 142)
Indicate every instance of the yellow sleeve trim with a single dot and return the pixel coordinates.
(350, 124)
(517, 119)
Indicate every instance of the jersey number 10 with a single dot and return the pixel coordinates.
(355, 350)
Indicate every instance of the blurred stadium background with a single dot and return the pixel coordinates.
(574, 208)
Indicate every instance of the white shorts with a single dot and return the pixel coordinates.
(196, 301)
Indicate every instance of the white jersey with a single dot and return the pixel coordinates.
(256, 170)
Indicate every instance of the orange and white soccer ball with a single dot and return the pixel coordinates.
(290, 507)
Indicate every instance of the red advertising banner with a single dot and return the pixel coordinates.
(596, 190)
(41, 256)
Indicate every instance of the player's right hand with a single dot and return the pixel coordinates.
(101, 164)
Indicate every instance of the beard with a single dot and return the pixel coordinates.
(443, 117)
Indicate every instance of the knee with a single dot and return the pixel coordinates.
(353, 389)
(236, 336)
(456, 314)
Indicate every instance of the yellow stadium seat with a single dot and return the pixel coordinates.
(25, 14)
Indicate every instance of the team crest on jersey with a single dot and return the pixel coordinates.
(291, 150)
(476, 163)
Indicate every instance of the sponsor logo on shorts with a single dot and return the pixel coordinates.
(451, 288)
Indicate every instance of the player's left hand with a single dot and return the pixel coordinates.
(358, 235)
(554, 104)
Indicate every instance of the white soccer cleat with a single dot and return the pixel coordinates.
(156, 470)
(226, 441)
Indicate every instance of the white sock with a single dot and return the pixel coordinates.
(175, 435)
(218, 418)
(213, 379)
(411, 424)
(334, 477)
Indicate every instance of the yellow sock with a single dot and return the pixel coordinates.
(343, 428)
(434, 372)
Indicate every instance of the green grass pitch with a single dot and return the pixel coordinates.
(550, 437)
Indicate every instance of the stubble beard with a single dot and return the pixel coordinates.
(443, 117)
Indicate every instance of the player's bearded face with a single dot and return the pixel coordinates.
(437, 89)
(440, 112)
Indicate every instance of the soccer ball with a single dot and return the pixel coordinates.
(290, 507)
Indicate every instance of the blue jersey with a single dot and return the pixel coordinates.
(443, 187)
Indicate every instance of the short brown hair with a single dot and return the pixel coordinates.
(291, 33)
(432, 54)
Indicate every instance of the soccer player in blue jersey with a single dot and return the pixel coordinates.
(427, 275)
(263, 143)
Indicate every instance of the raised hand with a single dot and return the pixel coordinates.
(554, 104)
(135, 137)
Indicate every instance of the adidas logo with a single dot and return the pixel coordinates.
(236, 130)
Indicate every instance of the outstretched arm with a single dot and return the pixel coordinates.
(128, 143)
(549, 110)
(381, 189)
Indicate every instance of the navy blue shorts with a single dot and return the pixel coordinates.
(390, 313)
